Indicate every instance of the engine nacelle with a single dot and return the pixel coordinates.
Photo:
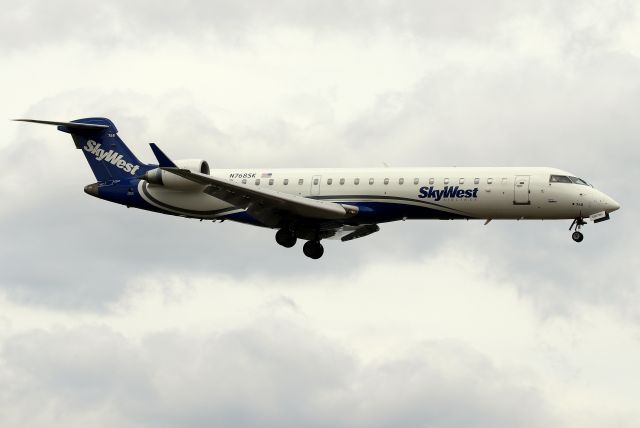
(164, 178)
(194, 165)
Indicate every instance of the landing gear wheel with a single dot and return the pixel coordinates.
(577, 236)
(313, 249)
(286, 238)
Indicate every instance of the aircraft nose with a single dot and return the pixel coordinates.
(612, 205)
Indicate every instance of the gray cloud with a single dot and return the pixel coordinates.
(271, 373)
(35, 23)
(497, 83)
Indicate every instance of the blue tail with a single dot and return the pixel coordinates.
(108, 156)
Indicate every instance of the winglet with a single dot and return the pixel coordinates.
(163, 160)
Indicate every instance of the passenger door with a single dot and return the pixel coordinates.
(521, 190)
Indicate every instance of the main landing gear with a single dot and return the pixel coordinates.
(286, 238)
(577, 235)
(312, 249)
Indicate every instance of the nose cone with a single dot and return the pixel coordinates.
(91, 189)
(612, 205)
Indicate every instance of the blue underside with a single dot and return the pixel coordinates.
(126, 193)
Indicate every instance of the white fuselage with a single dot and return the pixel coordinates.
(387, 194)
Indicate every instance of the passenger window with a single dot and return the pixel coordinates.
(300, 181)
(476, 180)
(315, 181)
(271, 182)
(341, 181)
(371, 181)
(489, 180)
(461, 181)
(415, 181)
(285, 181)
(329, 181)
(504, 180)
(446, 181)
(401, 181)
(431, 181)
(257, 181)
(356, 181)
(244, 181)
(386, 181)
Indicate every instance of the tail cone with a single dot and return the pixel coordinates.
(91, 189)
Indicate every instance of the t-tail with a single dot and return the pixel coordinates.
(109, 157)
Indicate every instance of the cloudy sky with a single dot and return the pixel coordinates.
(116, 317)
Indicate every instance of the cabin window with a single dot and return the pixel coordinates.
(244, 181)
(257, 181)
(341, 181)
(386, 181)
(446, 181)
(400, 180)
(315, 181)
(559, 179)
(431, 181)
(489, 180)
(416, 181)
(461, 181)
(476, 180)
(285, 181)
(271, 182)
(329, 181)
(371, 181)
(356, 181)
(504, 180)
(300, 181)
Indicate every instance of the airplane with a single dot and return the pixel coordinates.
(315, 204)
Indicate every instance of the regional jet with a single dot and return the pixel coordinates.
(332, 203)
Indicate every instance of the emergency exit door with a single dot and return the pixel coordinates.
(315, 185)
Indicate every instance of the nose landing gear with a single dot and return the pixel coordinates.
(577, 235)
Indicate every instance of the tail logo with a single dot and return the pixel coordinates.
(110, 156)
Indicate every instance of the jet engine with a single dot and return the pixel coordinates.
(164, 178)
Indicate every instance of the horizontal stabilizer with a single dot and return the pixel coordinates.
(68, 125)
(163, 160)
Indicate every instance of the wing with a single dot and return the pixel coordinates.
(270, 207)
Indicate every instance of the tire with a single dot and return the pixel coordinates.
(286, 238)
(577, 236)
(313, 249)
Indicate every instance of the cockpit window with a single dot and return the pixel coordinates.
(578, 181)
(559, 179)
